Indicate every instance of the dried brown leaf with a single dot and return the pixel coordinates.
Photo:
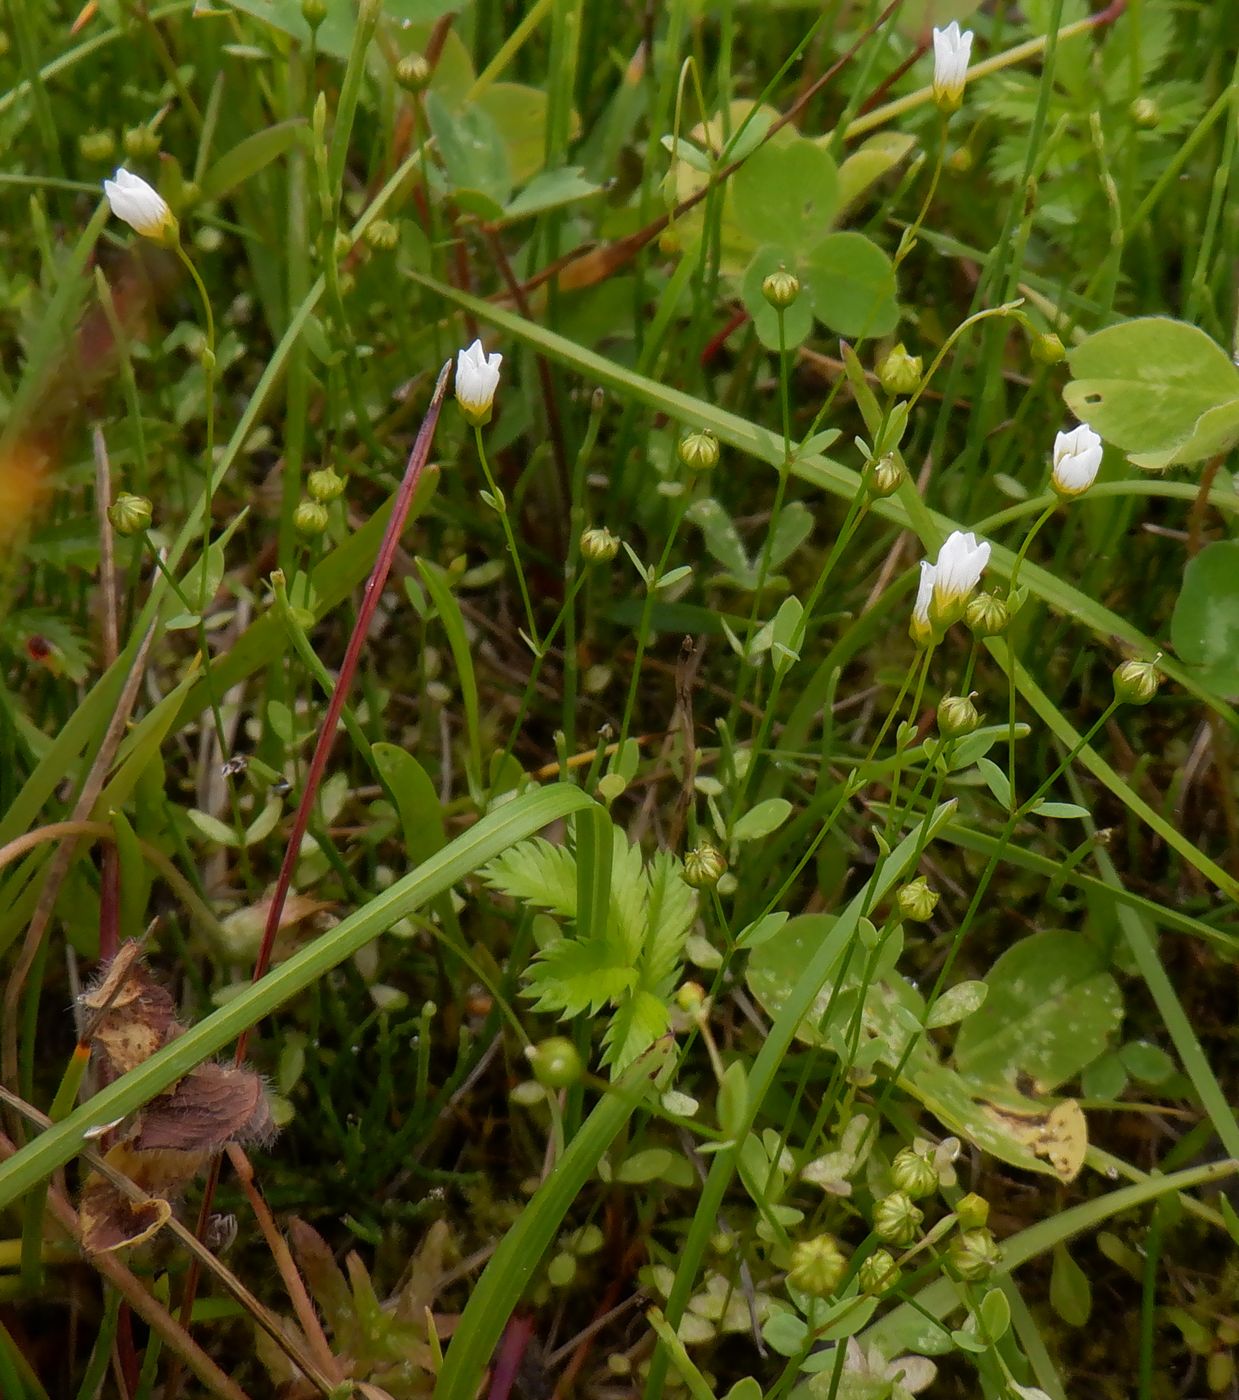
(212, 1105)
(129, 1015)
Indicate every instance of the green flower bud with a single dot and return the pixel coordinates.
(973, 1254)
(899, 372)
(310, 518)
(326, 485)
(383, 234)
(957, 716)
(1145, 112)
(556, 1062)
(341, 245)
(699, 451)
(879, 1273)
(314, 12)
(987, 615)
(961, 160)
(1136, 682)
(141, 143)
(704, 866)
(1047, 349)
(885, 476)
(972, 1211)
(599, 545)
(97, 146)
(913, 1174)
(781, 289)
(916, 900)
(896, 1219)
(129, 514)
(413, 72)
(817, 1266)
(691, 998)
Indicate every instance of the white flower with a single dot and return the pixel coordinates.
(951, 52)
(477, 378)
(924, 592)
(141, 206)
(921, 628)
(957, 572)
(1077, 455)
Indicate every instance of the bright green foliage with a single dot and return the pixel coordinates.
(1159, 389)
(1133, 56)
(1051, 1009)
(632, 967)
(1205, 624)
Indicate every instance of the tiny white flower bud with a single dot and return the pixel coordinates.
(1077, 455)
(952, 48)
(477, 378)
(141, 206)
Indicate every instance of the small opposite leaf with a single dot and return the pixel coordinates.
(762, 819)
(956, 1003)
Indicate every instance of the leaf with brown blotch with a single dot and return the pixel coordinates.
(110, 1221)
(212, 1105)
(129, 1015)
(1059, 1134)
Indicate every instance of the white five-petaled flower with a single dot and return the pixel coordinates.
(141, 206)
(1077, 455)
(952, 48)
(477, 378)
(956, 574)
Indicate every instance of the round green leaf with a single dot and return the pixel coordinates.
(851, 283)
(786, 193)
(1146, 385)
(1205, 626)
(1051, 1010)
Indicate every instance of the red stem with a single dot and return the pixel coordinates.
(318, 764)
(331, 721)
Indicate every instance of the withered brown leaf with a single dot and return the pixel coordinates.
(111, 1221)
(212, 1105)
(129, 1015)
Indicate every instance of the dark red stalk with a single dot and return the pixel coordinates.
(318, 764)
(344, 681)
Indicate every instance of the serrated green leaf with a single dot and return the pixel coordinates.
(638, 1022)
(672, 907)
(572, 977)
(628, 896)
(538, 873)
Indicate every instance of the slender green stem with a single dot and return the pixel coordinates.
(1033, 531)
(499, 504)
